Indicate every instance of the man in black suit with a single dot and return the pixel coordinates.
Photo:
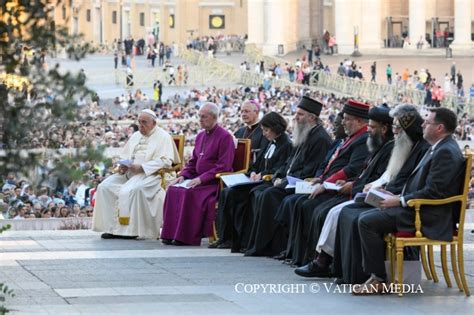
(437, 176)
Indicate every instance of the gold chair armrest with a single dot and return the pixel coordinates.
(267, 178)
(417, 203)
(434, 202)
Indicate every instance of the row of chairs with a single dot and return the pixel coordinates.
(395, 242)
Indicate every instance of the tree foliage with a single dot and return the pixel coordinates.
(48, 99)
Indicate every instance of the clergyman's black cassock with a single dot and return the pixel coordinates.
(347, 260)
(375, 167)
(350, 163)
(265, 199)
(258, 144)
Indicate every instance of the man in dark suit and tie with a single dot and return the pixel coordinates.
(438, 175)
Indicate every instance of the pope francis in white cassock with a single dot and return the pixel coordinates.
(129, 204)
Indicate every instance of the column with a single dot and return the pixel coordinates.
(96, 23)
(344, 25)
(274, 30)
(417, 21)
(304, 22)
(370, 34)
(462, 25)
(256, 22)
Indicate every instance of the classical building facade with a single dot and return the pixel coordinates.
(278, 26)
(103, 21)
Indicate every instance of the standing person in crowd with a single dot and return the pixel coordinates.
(341, 70)
(129, 203)
(373, 71)
(459, 84)
(157, 91)
(153, 52)
(116, 59)
(161, 54)
(189, 211)
(453, 72)
(389, 74)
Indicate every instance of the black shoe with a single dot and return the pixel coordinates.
(178, 243)
(280, 256)
(107, 236)
(166, 242)
(313, 270)
(225, 245)
(123, 237)
(216, 243)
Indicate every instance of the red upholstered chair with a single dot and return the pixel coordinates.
(397, 241)
(179, 142)
(240, 165)
(241, 162)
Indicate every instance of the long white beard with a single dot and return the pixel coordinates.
(300, 134)
(400, 153)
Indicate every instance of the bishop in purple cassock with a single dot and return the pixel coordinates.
(189, 212)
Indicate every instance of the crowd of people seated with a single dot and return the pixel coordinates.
(20, 200)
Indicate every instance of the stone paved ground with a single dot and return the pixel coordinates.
(76, 272)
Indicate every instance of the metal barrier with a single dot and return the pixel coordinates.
(369, 91)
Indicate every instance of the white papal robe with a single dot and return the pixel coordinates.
(139, 197)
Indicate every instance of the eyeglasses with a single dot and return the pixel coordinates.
(396, 127)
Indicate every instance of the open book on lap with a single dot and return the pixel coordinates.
(184, 184)
(235, 180)
(374, 197)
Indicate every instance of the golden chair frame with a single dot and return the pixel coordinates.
(243, 169)
(179, 142)
(396, 244)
